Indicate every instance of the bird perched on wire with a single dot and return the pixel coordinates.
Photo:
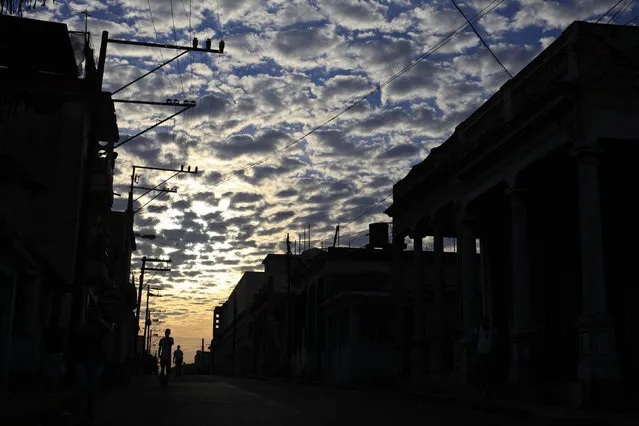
(221, 46)
(195, 41)
(208, 44)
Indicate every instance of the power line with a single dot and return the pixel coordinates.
(137, 30)
(218, 19)
(494, 4)
(156, 186)
(434, 49)
(145, 204)
(176, 42)
(632, 21)
(158, 41)
(608, 11)
(621, 10)
(482, 39)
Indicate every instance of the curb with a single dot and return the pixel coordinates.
(487, 406)
(520, 413)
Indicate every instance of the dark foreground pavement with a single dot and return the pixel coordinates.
(206, 400)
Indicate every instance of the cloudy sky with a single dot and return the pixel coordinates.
(290, 66)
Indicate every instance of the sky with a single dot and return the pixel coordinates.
(291, 67)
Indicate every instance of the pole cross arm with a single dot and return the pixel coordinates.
(155, 189)
(154, 259)
(165, 46)
(181, 170)
(159, 269)
(169, 102)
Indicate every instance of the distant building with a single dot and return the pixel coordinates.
(534, 175)
(234, 353)
(269, 311)
(344, 316)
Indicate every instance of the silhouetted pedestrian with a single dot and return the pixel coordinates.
(164, 351)
(178, 359)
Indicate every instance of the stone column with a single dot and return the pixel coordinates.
(522, 333)
(8, 289)
(439, 323)
(468, 252)
(398, 303)
(598, 358)
(419, 310)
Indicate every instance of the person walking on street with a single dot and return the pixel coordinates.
(178, 359)
(164, 351)
(485, 344)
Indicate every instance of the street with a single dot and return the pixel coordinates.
(206, 400)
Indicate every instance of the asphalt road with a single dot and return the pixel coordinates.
(217, 401)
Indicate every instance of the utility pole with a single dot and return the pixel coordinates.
(137, 308)
(85, 12)
(149, 321)
(289, 331)
(171, 102)
(135, 179)
(140, 288)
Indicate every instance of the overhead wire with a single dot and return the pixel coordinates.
(157, 39)
(157, 75)
(621, 10)
(633, 20)
(156, 186)
(176, 42)
(608, 11)
(494, 4)
(487, 9)
(481, 39)
(147, 203)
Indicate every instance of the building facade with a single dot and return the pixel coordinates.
(57, 131)
(533, 175)
(233, 348)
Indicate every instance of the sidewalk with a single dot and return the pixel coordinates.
(35, 409)
(501, 406)
(523, 410)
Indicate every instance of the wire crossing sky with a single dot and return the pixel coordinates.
(311, 114)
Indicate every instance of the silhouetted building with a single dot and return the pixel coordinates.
(344, 321)
(342, 316)
(57, 131)
(234, 353)
(203, 362)
(118, 302)
(269, 309)
(534, 175)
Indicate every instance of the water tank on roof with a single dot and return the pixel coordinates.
(378, 235)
